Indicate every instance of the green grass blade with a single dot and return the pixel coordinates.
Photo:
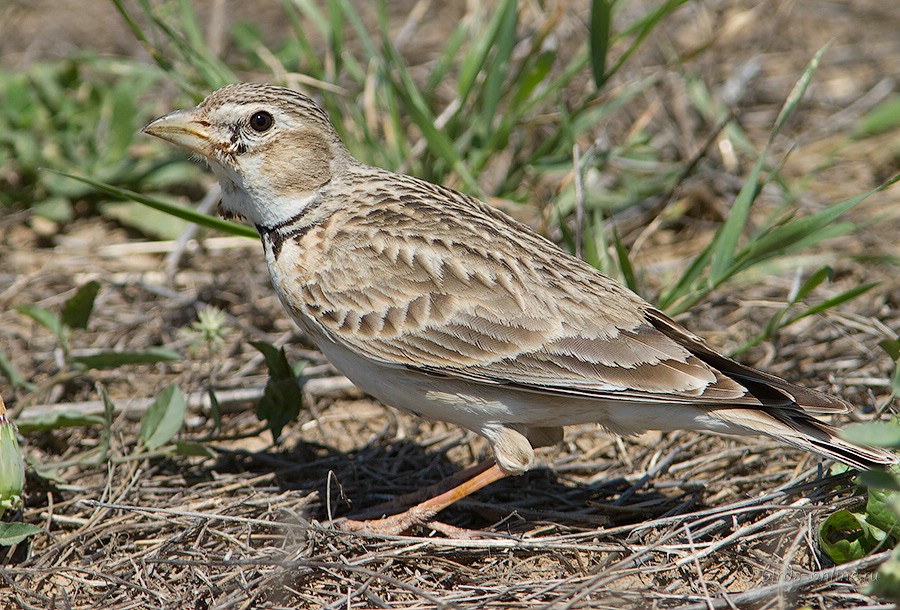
(726, 239)
(76, 311)
(801, 233)
(446, 60)
(641, 29)
(351, 14)
(160, 58)
(669, 298)
(185, 213)
(799, 89)
(625, 265)
(598, 38)
(313, 15)
(833, 302)
(473, 64)
(725, 243)
(113, 360)
(497, 71)
(336, 35)
(812, 282)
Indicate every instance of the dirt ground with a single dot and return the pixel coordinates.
(659, 521)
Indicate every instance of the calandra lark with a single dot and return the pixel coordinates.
(436, 303)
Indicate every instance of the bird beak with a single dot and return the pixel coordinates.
(185, 128)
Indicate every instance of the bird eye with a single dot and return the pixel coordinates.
(261, 121)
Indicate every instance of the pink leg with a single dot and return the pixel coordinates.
(424, 511)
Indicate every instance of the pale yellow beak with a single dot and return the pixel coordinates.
(185, 128)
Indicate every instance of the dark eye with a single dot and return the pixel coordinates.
(261, 121)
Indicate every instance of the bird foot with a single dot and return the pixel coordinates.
(396, 525)
(387, 526)
(421, 513)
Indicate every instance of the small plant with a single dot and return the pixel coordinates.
(12, 482)
(80, 115)
(283, 397)
(163, 418)
(208, 333)
(12, 467)
(782, 320)
(75, 314)
(847, 536)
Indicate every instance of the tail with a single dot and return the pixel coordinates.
(794, 427)
(785, 411)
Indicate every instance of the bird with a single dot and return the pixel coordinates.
(441, 305)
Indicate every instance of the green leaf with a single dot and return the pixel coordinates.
(164, 418)
(887, 580)
(14, 533)
(892, 347)
(881, 119)
(846, 536)
(109, 410)
(812, 282)
(796, 94)
(833, 302)
(879, 479)
(57, 209)
(77, 311)
(726, 239)
(189, 449)
(881, 509)
(12, 375)
(215, 411)
(112, 360)
(120, 123)
(625, 263)
(895, 380)
(276, 360)
(642, 28)
(526, 85)
(598, 37)
(876, 433)
(282, 397)
(55, 421)
(47, 319)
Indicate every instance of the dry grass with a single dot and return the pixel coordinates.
(659, 521)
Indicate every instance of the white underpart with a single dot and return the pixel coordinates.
(454, 401)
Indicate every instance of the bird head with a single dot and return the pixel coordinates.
(271, 148)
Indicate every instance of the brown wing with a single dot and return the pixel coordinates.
(471, 304)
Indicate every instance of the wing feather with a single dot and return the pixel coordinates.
(467, 304)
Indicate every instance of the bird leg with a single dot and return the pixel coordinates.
(424, 511)
(398, 503)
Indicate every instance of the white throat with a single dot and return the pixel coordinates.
(261, 207)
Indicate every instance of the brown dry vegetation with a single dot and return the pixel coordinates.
(658, 521)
